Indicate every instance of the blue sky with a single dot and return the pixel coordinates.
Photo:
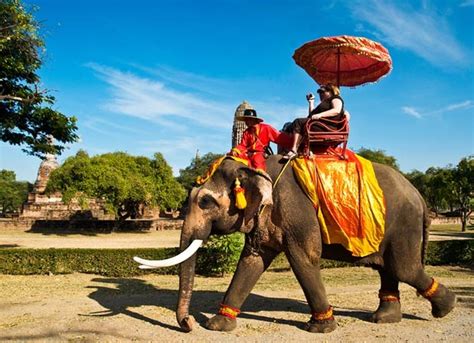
(167, 76)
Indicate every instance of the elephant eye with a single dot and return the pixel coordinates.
(207, 202)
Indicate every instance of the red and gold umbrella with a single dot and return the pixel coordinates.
(344, 60)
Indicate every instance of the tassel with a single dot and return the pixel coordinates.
(240, 201)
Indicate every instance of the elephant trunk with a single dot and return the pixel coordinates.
(186, 282)
(189, 235)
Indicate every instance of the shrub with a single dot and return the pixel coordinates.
(107, 262)
(220, 255)
(450, 252)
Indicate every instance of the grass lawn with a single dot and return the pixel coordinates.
(450, 228)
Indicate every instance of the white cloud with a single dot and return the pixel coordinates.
(107, 127)
(463, 105)
(422, 31)
(154, 101)
(192, 81)
(411, 111)
(449, 108)
(453, 107)
(467, 3)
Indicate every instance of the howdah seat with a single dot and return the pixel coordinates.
(322, 138)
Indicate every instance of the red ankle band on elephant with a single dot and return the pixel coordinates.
(387, 296)
(430, 291)
(321, 316)
(348, 199)
(228, 311)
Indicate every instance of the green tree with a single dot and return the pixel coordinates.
(199, 165)
(125, 182)
(26, 116)
(419, 180)
(12, 193)
(378, 156)
(463, 188)
(439, 188)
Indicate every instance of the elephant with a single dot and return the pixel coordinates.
(281, 218)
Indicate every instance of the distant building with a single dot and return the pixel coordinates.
(239, 126)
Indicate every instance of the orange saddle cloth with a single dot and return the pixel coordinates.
(348, 199)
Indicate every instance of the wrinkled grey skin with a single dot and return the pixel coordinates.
(288, 224)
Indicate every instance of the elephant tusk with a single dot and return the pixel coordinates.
(183, 256)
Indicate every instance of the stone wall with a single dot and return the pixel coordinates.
(51, 207)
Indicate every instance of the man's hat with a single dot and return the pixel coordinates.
(249, 113)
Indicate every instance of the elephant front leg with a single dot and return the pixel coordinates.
(249, 270)
(308, 274)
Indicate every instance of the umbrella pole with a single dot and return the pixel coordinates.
(338, 66)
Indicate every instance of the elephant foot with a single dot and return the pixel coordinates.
(321, 326)
(221, 323)
(322, 322)
(387, 312)
(442, 301)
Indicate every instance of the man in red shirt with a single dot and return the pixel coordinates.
(255, 138)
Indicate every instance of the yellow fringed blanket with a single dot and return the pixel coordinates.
(349, 202)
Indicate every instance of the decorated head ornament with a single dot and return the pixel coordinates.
(240, 201)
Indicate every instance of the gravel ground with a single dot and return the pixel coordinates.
(81, 307)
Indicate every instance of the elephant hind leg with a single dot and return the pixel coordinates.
(442, 299)
(389, 310)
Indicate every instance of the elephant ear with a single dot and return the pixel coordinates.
(258, 191)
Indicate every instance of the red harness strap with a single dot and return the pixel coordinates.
(228, 311)
(326, 315)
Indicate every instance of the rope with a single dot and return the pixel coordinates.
(254, 236)
(276, 181)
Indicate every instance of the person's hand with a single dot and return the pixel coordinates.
(233, 153)
(310, 97)
(316, 117)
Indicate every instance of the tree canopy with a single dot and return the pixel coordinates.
(125, 182)
(26, 114)
(463, 188)
(448, 189)
(378, 156)
(12, 193)
(199, 165)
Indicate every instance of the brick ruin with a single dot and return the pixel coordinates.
(51, 207)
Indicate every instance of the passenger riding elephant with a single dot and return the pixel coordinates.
(288, 223)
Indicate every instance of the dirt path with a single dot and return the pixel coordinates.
(80, 307)
(149, 239)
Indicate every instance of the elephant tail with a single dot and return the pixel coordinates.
(426, 231)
